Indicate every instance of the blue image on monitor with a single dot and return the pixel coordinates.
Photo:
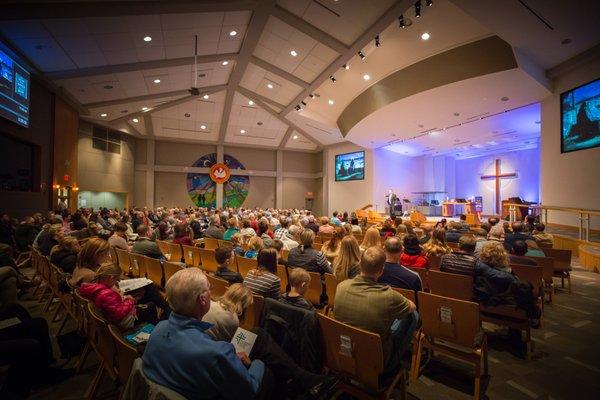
(580, 117)
(350, 166)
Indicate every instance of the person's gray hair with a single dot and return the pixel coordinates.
(215, 220)
(183, 289)
(294, 230)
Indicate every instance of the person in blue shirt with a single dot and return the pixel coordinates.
(395, 274)
(335, 220)
(182, 356)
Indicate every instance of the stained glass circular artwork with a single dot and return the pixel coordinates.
(203, 191)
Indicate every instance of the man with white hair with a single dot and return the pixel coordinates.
(214, 230)
(182, 356)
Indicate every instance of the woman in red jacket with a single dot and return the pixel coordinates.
(412, 256)
(117, 309)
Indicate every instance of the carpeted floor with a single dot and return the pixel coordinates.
(566, 363)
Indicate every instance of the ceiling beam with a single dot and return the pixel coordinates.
(17, 10)
(285, 137)
(387, 17)
(149, 126)
(153, 96)
(274, 113)
(278, 71)
(114, 69)
(309, 29)
(253, 33)
(265, 99)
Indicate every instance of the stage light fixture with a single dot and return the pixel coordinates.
(312, 96)
(361, 55)
(303, 103)
(429, 3)
(332, 78)
(377, 42)
(401, 21)
(346, 66)
(136, 120)
(418, 8)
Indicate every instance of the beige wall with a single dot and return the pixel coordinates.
(294, 161)
(101, 171)
(180, 154)
(294, 191)
(140, 151)
(170, 190)
(262, 160)
(139, 189)
(261, 192)
(569, 179)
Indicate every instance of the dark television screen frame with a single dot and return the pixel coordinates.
(562, 142)
(343, 154)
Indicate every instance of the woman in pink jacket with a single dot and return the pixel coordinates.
(118, 309)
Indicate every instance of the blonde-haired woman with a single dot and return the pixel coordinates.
(331, 248)
(437, 246)
(255, 244)
(64, 255)
(93, 253)
(371, 238)
(347, 264)
(225, 313)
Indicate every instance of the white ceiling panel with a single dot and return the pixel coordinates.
(298, 141)
(256, 79)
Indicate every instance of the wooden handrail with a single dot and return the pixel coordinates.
(556, 208)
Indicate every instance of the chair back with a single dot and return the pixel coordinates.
(140, 387)
(218, 286)
(562, 258)
(352, 352)
(315, 288)
(285, 254)
(283, 276)
(245, 265)
(548, 264)
(114, 258)
(423, 274)
(453, 245)
(124, 261)
(101, 338)
(211, 243)
(138, 265)
(175, 252)
(253, 313)
(154, 271)
(191, 255)
(80, 305)
(163, 245)
(452, 320)
(170, 268)
(451, 285)
(331, 283)
(208, 260)
(224, 243)
(125, 355)
(434, 262)
(408, 293)
(531, 274)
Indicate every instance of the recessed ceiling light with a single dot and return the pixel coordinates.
(242, 131)
(205, 97)
(232, 33)
(225, 62)
(295, 137)
(250, 103)
(156, 81)
(104, 115)
(147, 39)
(366, 77)
(270, 85)
(136, 120)
(346, 66)
(330, 102)
(144, 108)
(293, 53)
(425, 36)
(202, 126)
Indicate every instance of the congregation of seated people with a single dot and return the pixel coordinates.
(189, 350)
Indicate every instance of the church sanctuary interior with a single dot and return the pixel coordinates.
(300, 199)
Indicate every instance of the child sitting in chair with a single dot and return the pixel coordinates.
(299, 282)
(224, 257)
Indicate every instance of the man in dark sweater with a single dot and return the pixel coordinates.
(519, 248)
(461, 261)
(453, 233)
(518, 234)
(224, 257)
(395, 274)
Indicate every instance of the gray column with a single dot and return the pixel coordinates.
(150, 152)
(279, 181)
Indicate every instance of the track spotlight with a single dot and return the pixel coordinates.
(346, 66)
(377, 42)
(298, 108)
(303, 103)
(332, 78)
(361, 55)
(429, 3)
(401, 21)
(312, 96)
(418, 8)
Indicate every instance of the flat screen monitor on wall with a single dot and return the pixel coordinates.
(14, 90)
(580, 117)
(350, 166)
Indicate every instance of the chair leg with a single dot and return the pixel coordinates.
(62, 325)
(49, 302)
(484, 354)
(477, 386)
(83, 357)
(58, 308)
(529, 344)
(569, 282)
(91, 392)
(417, 363)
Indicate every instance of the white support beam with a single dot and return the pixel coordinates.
(220, 189)
(286, 137)
(286, 121)
(279, 181)
(265, 99)
(17, 10)
(255, 28)
(138, 66)
(146, 114)
(278, 71)
(312, 31)
(150, 154)
(148, 125)
(145, 97)
(387, 17)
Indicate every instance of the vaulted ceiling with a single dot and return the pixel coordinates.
(130, 64)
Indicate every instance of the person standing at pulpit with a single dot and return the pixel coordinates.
(391, 199)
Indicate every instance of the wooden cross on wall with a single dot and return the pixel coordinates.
(498, 176)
